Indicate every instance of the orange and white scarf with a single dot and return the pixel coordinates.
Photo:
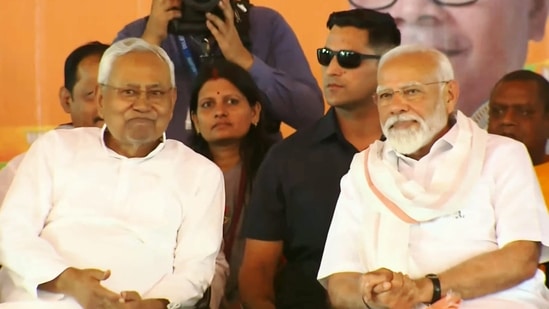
(396, 203)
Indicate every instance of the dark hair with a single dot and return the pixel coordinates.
(526, 75)
(76, 56)
(383, 32)
(256, 143)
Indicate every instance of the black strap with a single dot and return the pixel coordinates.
(436, 287)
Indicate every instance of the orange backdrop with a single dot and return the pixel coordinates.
(38, 34)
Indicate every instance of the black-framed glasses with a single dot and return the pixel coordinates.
(346, 58)
(385, 4)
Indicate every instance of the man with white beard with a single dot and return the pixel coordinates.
(435, 214)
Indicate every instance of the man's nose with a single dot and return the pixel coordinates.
(333, 68)
(142, 102)
(398, 104)
(509, 117)
(417, 12)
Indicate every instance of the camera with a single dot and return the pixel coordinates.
(193, 17)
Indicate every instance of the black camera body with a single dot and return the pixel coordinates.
(193, 17)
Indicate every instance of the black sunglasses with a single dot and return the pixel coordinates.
(346, 58)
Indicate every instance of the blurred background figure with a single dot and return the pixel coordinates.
(76, 96)
(484, 39)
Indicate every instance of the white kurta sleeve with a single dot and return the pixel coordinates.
(519, 205)
(7, 174)
(30, 259)
(342, 252)
(198, 243)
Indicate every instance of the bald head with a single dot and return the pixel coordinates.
(420, 59)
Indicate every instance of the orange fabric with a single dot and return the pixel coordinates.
(542, 171)
(388, 203)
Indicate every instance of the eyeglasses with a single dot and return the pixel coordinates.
(384, 4)
(346, 58)
(411, 93)
(132, 94)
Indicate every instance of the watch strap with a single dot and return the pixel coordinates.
(437, 291)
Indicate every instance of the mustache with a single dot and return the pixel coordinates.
(402, 117)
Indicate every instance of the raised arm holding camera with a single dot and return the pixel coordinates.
(256, 38)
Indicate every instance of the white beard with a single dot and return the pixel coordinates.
(408, 141)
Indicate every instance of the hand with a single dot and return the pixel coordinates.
(84, 285)
(162, 11)
(403, 293)
(132, 300)
(227, 37)
(375, 282)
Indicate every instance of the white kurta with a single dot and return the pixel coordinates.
(155, 222)
(505, 205)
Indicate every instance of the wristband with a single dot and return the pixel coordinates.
(436, 287)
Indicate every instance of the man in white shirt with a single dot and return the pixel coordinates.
(117, 217)
(77, 98)
(442, 208)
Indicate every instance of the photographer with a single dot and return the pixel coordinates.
(256, 38)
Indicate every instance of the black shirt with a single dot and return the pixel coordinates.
(295, 193)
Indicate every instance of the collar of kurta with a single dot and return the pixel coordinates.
(113, 153)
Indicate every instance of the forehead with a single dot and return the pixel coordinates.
(218, 85)
(409, 68)
(140, 67)
(349, 38)
(88, 67)
(516, 93)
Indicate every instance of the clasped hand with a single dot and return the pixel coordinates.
(86, 289)
(386, 289)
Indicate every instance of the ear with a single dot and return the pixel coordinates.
(194, 119)
(538, 18)
(451, 96)
(99, 100)
(65, 99)
(256, 113)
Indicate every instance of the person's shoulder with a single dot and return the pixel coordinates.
(264, 11)
(70, 136)
(265, 15)
(187, 158)
(133, 29)
(300, 140)
(500, 145)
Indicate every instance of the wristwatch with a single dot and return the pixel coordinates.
(436, 287)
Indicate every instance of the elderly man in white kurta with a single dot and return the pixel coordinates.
(118, 217)
(441, 208)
